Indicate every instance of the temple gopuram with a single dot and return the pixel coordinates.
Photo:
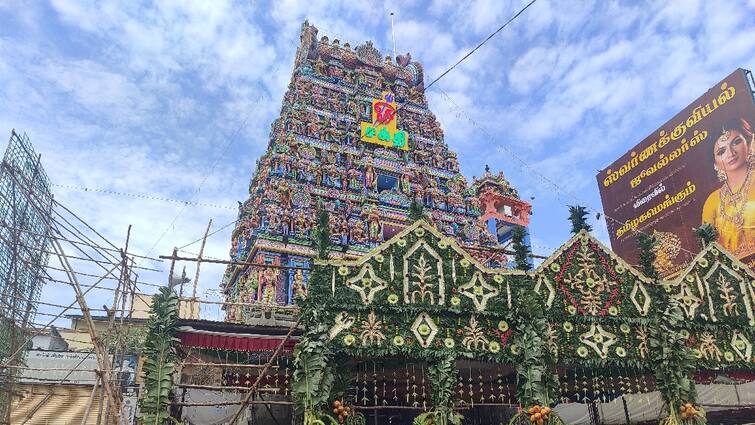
(372, 283)
(342, 142)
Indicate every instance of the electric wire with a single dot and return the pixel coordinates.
(493, 34)
(201, 183)
(526, 166)
(211, 233)
(145, 196)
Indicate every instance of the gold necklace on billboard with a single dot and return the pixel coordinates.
(736, 201)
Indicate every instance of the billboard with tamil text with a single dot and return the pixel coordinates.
(696, 168)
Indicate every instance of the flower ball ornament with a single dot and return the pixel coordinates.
(555, 268)
(343, 270)
(423, 330)
(503, 326)
(449, 343)
(498, 278)
(613, 310)
(393, 299)
(401, 242)
(419, 232)
(539, 415)
(455, 301)
(582, 351)
(624, 328)
(465, 263)
(568, 327)
(349, 340)
(688, 411)
(494, 347)
(442, 244)
(620, 269)
(379, 258)
(621, 352)
(398, 340)
(571, 310)
(729, 356)
(341, 411)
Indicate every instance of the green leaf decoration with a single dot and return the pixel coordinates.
(159, 354)
(578, 219)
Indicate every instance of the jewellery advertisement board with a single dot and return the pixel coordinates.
(696, 168)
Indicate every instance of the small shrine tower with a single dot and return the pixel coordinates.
(502, 209)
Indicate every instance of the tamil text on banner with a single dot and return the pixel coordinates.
(697, 168)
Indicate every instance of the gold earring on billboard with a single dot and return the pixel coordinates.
(720, 173)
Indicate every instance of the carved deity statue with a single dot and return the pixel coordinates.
(298, 285)
(268, 285)
(370, 177)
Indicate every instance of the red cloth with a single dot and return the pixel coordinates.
(238, 343)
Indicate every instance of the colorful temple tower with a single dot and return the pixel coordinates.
(356, 136)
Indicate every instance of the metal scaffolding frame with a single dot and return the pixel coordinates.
(25, 240)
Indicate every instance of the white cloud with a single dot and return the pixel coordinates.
(214, 39)
(532, 68)
(484, 16)
(161, 98)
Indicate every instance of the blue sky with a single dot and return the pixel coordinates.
(175, 100)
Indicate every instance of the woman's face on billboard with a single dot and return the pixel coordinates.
(730, 152)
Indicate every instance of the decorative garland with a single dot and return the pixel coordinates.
(675, 364)
(159, 356)
(420, 296)
(537, 379)
(442, 374)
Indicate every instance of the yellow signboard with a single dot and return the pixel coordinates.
(382, 130)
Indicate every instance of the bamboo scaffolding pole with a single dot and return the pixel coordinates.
(73, 242)
(56, 226)
(230, 365)
(269, 363)
(52, 388)
(236, 263)
(226, 388)
(293, 308)
(99, 348)
(196, 276)
(39, 331)
(89, 404)
(233, 403)
(119, 290)
(59, 369)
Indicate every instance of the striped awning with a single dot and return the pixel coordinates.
(238, 342)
